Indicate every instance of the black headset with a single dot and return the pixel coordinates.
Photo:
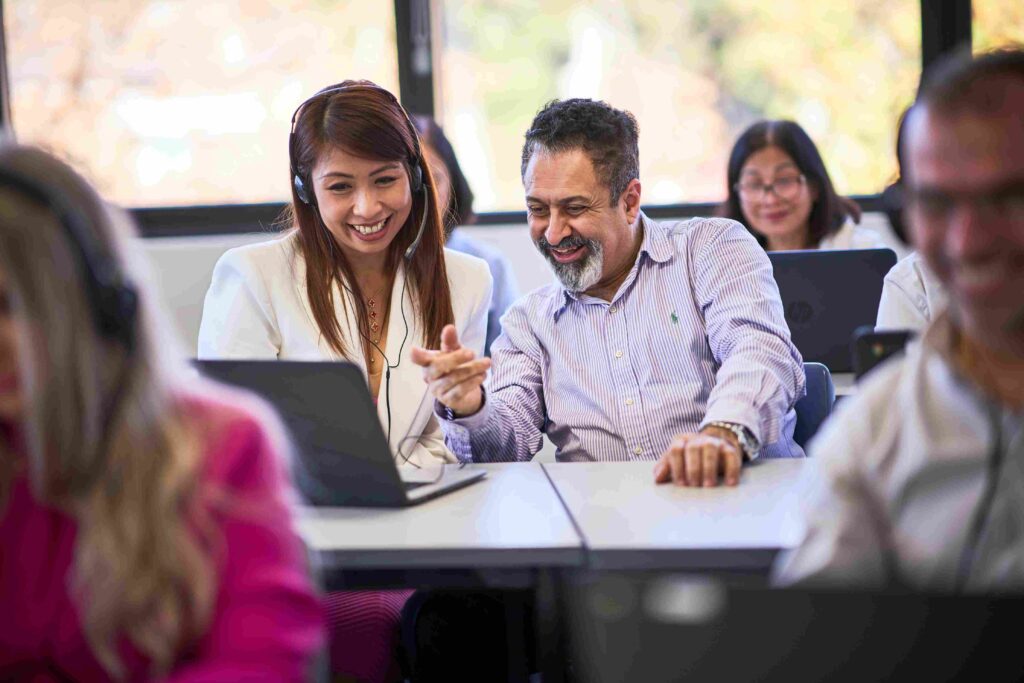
(113, 299)
(416, 183)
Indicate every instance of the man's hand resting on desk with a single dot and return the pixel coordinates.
(454, 373)
(697, 459)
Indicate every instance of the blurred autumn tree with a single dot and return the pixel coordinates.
(997, 23)
(695, 74)
(185, 102)
(176, 102)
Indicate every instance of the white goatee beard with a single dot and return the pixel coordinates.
(581, 276)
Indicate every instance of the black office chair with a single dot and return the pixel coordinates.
(812, 409)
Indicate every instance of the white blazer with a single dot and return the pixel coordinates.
(257, 307)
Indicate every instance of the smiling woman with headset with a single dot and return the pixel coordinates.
(132, 506)
(362, 276)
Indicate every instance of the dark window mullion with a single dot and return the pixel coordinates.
(415, 60)
(945, 27)
(5, 98)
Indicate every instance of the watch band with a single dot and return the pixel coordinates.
(448, 414)
(748, 443)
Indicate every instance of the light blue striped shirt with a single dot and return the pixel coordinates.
(695, 334)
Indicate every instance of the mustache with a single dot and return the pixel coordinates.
(571, 242)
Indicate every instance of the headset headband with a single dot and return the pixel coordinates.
(415, 162)
(113, 299)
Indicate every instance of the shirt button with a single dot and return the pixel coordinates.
(638, 450)
(618, 354)
(612, 309)
(629, 401)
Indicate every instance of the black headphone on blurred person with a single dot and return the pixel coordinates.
(113, 299)
(416, 183)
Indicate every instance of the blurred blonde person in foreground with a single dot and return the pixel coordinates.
(146, 527)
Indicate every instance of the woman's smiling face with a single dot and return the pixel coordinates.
(363, 202)
(782, 213)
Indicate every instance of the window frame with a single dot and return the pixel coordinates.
(945, 27)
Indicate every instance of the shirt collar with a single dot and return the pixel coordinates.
(655, 245)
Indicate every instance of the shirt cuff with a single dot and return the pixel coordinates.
(738, 414)
(475, 421)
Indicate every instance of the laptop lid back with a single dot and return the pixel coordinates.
(827, 295)
(341, 454)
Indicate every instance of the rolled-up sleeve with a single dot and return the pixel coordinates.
(845, 534)
(510, 424)
(760, 374)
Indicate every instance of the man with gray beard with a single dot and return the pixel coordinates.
(662, 341)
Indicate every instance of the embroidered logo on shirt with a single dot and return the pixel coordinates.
(675, 318)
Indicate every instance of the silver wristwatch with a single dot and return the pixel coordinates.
(747, 441)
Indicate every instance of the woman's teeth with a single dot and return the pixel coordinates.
(370, 229)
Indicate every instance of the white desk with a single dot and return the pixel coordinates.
(510, 519)
(628, 522)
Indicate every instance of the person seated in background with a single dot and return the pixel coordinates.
(455, 201)
(911, 294)
(146, 524)
(918, 478)
(779, 188)
(361, 276)
(660, 340)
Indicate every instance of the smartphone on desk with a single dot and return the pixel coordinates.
(870, 348)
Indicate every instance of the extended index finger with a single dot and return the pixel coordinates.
(444, 363)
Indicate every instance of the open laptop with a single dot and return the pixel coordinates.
(827, 295)
(694, 629)
(342, 457)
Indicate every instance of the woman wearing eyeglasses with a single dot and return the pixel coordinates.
(779, 188)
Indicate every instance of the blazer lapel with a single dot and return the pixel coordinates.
(346, 320)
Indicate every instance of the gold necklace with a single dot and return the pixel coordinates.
(375, 326)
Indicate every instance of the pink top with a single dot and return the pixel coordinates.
(266, 623)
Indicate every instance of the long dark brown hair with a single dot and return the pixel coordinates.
(460, 195)
(366, 121)
(827, 212)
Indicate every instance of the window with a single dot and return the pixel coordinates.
(695, 74)
(997, 23)
(188, 102)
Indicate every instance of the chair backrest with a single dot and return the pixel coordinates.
(812, 409)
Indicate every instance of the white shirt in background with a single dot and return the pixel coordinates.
(911, 296)
(854, 236)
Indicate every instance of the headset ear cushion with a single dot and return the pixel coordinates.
(416, 177)
(300, 189)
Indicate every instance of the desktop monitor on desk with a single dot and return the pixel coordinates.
(826, 295)
(694, 629)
